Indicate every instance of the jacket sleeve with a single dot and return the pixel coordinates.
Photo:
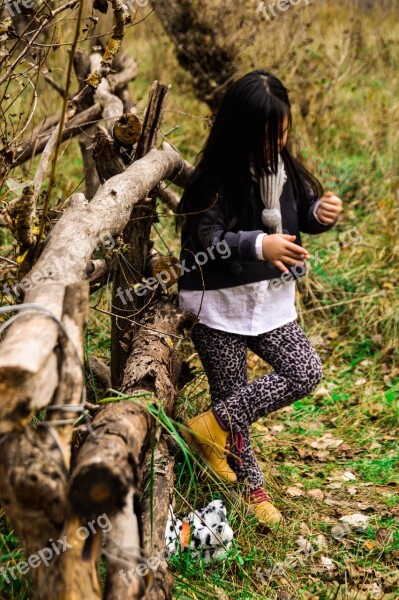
(308, 222)
(243, 245)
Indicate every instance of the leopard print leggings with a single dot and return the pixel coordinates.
(237, 403)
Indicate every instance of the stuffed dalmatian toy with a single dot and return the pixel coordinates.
(205, 530)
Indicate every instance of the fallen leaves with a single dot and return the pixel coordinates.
(357, 521)
(348, 476)
(316, 494)
(326, 441)
(327, 563)
(294, 492)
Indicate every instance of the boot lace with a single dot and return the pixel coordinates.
(238, 445)
(260, 495)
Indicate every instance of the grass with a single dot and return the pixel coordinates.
(347, 306)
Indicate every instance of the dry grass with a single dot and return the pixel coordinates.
(343, 62)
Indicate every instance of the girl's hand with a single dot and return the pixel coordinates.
(279, 248)
(329, 208)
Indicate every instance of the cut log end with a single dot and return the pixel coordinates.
(98, 491)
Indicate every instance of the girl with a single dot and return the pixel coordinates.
(251, 198)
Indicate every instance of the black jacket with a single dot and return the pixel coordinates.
(236, 262)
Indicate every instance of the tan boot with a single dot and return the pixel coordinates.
(210, 441)
(266, 513)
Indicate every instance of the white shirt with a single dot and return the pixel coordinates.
(249, 309)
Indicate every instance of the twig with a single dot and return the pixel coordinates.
(8, 260)
(8, 74)
(55, 140)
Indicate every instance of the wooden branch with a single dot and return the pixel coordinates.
(32, 490)
(170, 198)
(185, 172)
(81, 65)
(121, 19)
(28, 365)
(69, 577)
(97, 160)
(129, 106)
(86, 143)
(102, 476)
(112, 106)
(25, 210)
(108, 163)
(100, 371)
(34, 465)
(82, 68)
(34, 145)
(71, 379)
(28, 360)
(95, 268)
(154, 516)
(123, 553)
(126, 71)
(55, 85)
(152, 119)
(109, 464)
(137, 238)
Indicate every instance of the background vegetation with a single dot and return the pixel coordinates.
(334, 453)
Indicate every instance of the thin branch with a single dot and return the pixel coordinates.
(8, 74)
(56, 138)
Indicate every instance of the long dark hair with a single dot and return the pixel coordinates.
(251, 114)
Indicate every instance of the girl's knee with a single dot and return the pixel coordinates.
(314, 372)
(308, 377)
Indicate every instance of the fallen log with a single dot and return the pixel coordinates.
(34, 466)
(170, 198)
(32, 491)
(28, 372)
(110, 465)
(154, 515)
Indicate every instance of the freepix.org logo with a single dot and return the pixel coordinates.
(164, 277)
(55, 548)
(271, 11)
(14, 7)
